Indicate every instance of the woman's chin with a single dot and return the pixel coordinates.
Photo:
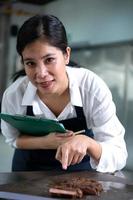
(46, 90)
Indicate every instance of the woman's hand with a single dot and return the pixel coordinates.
(73, 151)
(54, 140)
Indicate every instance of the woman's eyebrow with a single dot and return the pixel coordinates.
(27, 59)
(49, 54)
(31, 58)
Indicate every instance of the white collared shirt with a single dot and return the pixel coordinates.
(86, 90)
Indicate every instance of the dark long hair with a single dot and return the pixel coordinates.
(47, 27)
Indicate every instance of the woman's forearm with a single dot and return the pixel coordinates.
(94, 150)
(31, 142)
(50, 141)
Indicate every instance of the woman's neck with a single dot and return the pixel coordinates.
(56, 103)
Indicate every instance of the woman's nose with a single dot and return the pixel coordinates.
(41, 70)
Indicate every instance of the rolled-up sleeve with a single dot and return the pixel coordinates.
(8, 131)
(114, 152)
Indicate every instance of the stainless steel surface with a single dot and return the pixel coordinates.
(17, 196)
(38, 183)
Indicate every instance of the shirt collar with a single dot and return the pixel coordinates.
(75, 94)
(29, 94)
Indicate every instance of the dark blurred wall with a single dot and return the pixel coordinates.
(4, 42)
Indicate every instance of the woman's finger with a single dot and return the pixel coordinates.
(67, 134)
(65, 157)
(62, 155)
(58, 155)
(77, 159)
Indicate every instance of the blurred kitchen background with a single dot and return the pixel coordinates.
(100, 33)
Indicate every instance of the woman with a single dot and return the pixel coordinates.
(76, 97)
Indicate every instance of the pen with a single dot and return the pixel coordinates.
(78, 132)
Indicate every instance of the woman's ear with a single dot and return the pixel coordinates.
(67, 55)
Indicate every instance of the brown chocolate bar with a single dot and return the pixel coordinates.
(76, 187)
(66, 193)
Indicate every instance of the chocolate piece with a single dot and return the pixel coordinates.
(72, 193)
(77, 187)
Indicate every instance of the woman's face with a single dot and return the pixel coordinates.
(45, 66)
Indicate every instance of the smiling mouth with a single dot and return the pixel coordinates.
(46, 84)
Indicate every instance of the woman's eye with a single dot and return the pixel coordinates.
(50, 60)
(29, 64)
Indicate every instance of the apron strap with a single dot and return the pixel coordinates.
(29, 111)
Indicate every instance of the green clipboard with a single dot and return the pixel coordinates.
(31, 125)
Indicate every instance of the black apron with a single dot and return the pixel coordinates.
(40, 160)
